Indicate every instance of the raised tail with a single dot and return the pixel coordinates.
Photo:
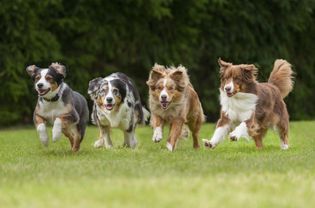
(282, 77)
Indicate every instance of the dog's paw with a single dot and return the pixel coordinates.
(208, 143)
(99, 143)
(57, 129)
(169, 147)
(234, 136)
(284, 146)
(157, 134)
(133, 143)
(43, 137)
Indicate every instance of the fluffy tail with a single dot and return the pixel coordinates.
(282, 77)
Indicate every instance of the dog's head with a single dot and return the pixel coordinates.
(236, 78)
(167, 84)
(107, 93)
(47, 80)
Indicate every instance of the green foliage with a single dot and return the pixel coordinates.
(94, 38)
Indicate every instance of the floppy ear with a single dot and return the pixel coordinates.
(59, 68)
(94, 86)
(31, 70)
(157, 72)
(223, 65)
(249, 72)
(179, 75)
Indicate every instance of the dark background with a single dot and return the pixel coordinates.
(95, 38)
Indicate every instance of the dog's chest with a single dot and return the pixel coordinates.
(115, 119)
(240, 107)
(51, 110)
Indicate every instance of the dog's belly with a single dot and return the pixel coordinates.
(51, 110)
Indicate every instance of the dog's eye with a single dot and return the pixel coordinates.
(115, 92)
(170, 88)
(49, 79)
(160, 88)
(37, 78)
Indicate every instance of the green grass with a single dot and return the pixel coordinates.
(234, 174)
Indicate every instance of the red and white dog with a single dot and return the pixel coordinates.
(252, 106)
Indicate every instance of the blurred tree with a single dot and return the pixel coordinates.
(95, 37)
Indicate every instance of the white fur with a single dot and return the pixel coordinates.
(57, 130)
(284, 146)
(43, 137)
(110, 94)
(52, 110)
(169, 147)
(164, 91)
(219, 135)
(105, 140)
(239, 107)
(130, 139)
(99, 143)
(157, 134)
(240, 131)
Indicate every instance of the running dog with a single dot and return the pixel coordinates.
(58, 104)
(117, 104)
(173, 100)
(251, 105)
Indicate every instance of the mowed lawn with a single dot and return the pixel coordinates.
(235, 174)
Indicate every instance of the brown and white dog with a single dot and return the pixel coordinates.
(58, 104)
(251, 105)
(172, 99)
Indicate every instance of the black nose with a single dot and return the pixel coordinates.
(40, 85)
(109, 99)
(228, 89)
(163, 97)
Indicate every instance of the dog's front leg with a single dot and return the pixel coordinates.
(245, 129)
(104, 138)
(41, 129)
(157, 124)
(175, 132)
(222, 129)
(130, 139)
(57, 129)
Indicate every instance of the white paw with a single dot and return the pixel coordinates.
(99, 143)
(157, 134)
(239, 131)
(57, 129)
(234, 136)
(43, 137)
(208, 143)
(169, 147)
(284, 146)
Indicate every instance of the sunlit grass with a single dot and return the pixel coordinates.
(234, 174)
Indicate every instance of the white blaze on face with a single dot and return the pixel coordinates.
(110, 95)
(229, 86)
(43, 81)
(164, 91)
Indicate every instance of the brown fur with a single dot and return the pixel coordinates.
(184, 106)
(270, 109)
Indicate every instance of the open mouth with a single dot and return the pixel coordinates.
(164, 104)
(229, 94)
(42, 92)
(109, 106)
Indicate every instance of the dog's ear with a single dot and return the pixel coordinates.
(94, 86)
(180, 76)
(59, 68)
(157, 72)
(249, 72)
(223, 65)
(31, 70)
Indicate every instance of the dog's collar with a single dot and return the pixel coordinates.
(54, 99)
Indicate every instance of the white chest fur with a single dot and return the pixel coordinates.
(120, 118)
(51, 110)
(240, 107)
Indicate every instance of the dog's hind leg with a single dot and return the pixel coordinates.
(258, 137)
(195, 128)
(74, 136)
(283, 130)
